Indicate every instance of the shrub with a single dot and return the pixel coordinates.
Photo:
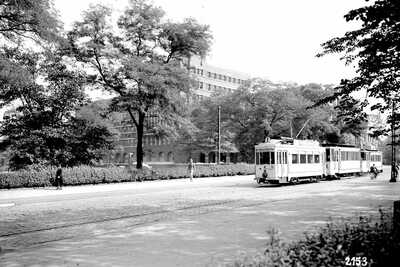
(369, 238)
(39, 175)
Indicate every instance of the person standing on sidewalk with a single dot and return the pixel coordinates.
(191, 169)
(59, 178)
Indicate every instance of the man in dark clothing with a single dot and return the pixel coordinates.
(59, 178)
(373, 171)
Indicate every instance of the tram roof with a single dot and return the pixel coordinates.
(337, 145)
(288, 142)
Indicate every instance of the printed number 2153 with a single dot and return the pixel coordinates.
(356, 261)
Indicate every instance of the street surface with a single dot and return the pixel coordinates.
(173, 223)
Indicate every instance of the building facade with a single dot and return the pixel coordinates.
(210, 80)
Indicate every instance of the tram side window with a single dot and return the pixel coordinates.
(303, 158)
(257, 158)
(295, 158)
(272, 157)
(285, 158)
(328, 154)
(310, 159)
(335, 155)
(316, 158)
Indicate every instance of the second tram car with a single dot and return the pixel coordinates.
(291, 161)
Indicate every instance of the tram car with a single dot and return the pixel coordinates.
(287, 160)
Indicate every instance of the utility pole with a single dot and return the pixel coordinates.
(219, 135)
(291, 129)
(302, 128)
(393, 167)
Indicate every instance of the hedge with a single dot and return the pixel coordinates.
(39, 177)
(369, 242)
(203, 170)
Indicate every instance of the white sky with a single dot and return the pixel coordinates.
(274, 39)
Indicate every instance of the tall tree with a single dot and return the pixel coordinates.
(375, 49)
(139, 60)
(45, 129)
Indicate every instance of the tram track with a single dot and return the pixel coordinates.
(206, 208)
(130, 216)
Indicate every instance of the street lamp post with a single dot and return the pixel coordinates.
(219, 135)
(393, 167)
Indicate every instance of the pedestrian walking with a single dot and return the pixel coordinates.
(191, 169)
(395, 170)
(59, 178)
(373, 171)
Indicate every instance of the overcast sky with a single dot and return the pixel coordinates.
(275, 39)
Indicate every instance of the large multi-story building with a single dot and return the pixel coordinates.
(209, 80)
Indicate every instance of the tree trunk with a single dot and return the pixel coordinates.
(139, 145)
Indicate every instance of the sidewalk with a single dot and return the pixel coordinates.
(18, 193)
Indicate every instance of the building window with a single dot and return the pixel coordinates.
(170, 156)
(209, 74)
(209, 87)
(200, 85)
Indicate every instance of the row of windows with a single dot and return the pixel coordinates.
(123, 157)
(305, 158)
(212, 87)
(376, 158)
(281, 158)
(350, 155)
(147, 140)
(217, 76)
(127, 135)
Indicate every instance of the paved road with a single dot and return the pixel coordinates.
(172, 223)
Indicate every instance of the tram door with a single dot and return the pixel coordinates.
(334, 161)
(282, 164)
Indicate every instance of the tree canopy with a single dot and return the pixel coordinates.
(139, 60)
(374, 49)
(256, 111)
(44, 128)
(33, 19)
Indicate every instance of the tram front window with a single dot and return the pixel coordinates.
(266, 157)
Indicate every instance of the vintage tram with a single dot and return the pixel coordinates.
(287, 160)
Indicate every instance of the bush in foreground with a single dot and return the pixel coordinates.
(38, 176)
(368, 242)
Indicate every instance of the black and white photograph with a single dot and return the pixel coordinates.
(162, 133)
